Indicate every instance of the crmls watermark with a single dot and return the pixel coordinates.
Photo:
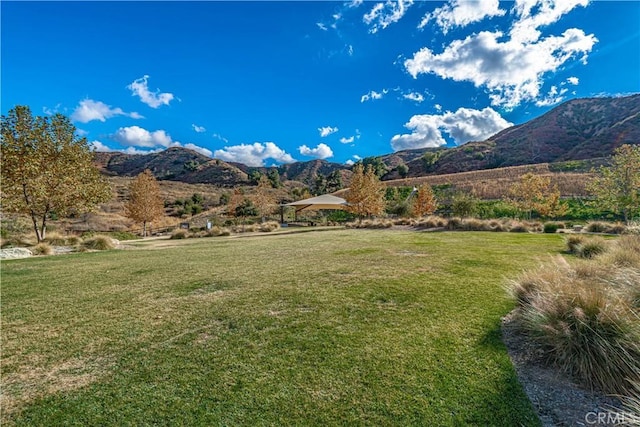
(607, 418)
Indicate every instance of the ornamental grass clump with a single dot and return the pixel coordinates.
(179, 234)
(42, 248)
(585, 317)
(98, 243)
(591, 247)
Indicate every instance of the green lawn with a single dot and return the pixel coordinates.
(339, 327)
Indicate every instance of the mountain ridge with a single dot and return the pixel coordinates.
(578, 129)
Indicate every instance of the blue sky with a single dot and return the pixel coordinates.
(266, 83)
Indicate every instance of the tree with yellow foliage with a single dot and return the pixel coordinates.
(366, 192)
(145, 204)
(425, 202)
(47, 169)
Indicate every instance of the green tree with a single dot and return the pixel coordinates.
(403, 170)
(145, 203)
(47, 168)
(366, 192)
(464, 204)
(274, 177)
(376, 164)
(617, 187)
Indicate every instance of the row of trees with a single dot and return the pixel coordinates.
(47, 169)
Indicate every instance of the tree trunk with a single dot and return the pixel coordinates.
(35, 227)
(144, 229)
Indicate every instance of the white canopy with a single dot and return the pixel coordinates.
(326, 201)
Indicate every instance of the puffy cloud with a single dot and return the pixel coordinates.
(536, 13)
(140, 137)
(327, 130)
(346, 140)
(511, 71)
(99, 146)
(511, 67)
(254, 154)
(573, 80)
(373, 95)
(135, 136)
(198, 149)
(463, 126)
(89, 110)
(459, 13)
(384, 14)
(140, 88)
(198, 129)
(349, 162)
(414, 96)
(322, 151)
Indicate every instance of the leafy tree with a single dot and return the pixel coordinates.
(617, 187)
(145, 203)
(319, 184)
(425, 202)
(47, 168)
(274, 177)
(263, 199)
(403, 170)
(246, 208)
(376, 164)
(535, 193)
(191, 166)
(254, 176)
(334, 182)
(464, 204)
(366, 192)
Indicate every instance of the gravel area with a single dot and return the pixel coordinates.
(558, 400)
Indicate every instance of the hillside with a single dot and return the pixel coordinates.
(578, 129)
(176, 164)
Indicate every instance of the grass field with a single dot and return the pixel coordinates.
(338, 327)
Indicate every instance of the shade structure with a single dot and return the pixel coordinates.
(326, 201)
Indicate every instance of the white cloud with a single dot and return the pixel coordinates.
(545, 12)
(140, 88)
(553, 97)
(511, 71)
(198, 149)
(327, 130)
(459, 13)
(511, 67)
(438, 107)
(373, 95)
(346, 140)
(349, 162)
(254, 154)
(384, 14)
(51, 111)
(463, 126)
(322, 151)
(198, 129)
(573, 80)
(355, 3)
(414, 96)
(99, 146)
(220, 137)
(89, 110)
(322, 26)
(139, 137)
(350, 50)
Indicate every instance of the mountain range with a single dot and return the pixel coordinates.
(579, 129)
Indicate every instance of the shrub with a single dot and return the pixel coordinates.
(551, 227)
(595, 227)
(179, 234)
(591, 248)
(99, 243)
(454, 224)
(42, 248)
(584, 321)
(218, 231)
